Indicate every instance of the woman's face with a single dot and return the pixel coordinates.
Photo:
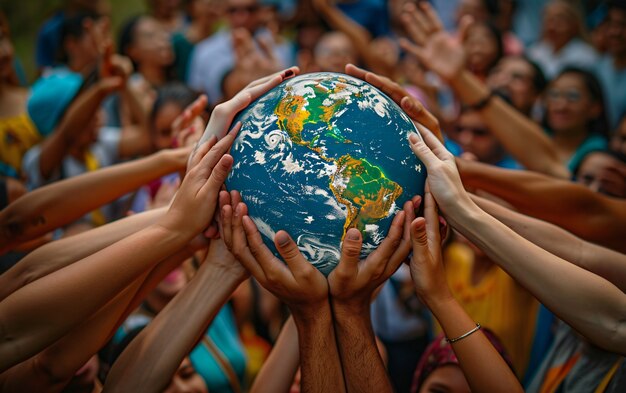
(172, 283)
(481, 48)
(446, 379)
(569, 104)
(186, 380)
(151, 44)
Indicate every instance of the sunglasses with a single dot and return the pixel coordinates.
(249, 9)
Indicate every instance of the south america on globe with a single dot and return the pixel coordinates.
(322, 153)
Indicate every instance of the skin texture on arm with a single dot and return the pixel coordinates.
(352, 285)
(281, 366)
(592, 216)
(587, 302)
(482, 365)
(62, 202)
(298, 284)
(599, 260)
(142, 366)
(444, 55)
(66, 297)
(61, 253)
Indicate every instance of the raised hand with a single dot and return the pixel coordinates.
(296, 282)
(443, 178)
(194, 205)
(353, 281)
(186, 127)
(426, 262)
(411, 105)
(431, 44)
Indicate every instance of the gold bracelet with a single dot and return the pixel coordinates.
(461, 337)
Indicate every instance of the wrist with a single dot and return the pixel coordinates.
(468, 87)
(311, 314)
(347, 309)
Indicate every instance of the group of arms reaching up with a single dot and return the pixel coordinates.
(84, 287)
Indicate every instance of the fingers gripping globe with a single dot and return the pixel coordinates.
(322, 153)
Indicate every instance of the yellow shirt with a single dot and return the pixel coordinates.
(497, 302)
(17, 135)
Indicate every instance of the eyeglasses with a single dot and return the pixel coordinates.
(478, 132)
(571, 96)
(248, 9)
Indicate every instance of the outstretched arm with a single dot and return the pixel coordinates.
(352, 285)
(590, 304)
(599, 260)
(484, 368)
(444, 55)
(62, 202)
(297, 283)
(280, 367)
(141, 367)
(588, 214)
(95, 280)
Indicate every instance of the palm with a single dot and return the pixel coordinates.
(443, 54)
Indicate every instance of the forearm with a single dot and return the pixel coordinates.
(197, 304)
(136, 134)
(280, 368)
(320, 364)
(62, 202)
(606, 263)
(61, 253)
(592, 216)
(521, 137)
(74, 122)
(587, 302)
(483, 367)
(66, 297)
(358, 350)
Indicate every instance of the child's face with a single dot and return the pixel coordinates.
(162, 135)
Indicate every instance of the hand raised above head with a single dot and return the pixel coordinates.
(194, 206)
(411, 105)
(438, 50)
(353, 281)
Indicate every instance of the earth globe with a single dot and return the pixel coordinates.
(322, 153)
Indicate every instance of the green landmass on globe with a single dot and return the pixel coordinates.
(320, 154)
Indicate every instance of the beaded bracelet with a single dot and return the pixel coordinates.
(461, 337)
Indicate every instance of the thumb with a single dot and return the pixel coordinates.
(288, 249)
(419, 238)
(350, 253)
(421, 150)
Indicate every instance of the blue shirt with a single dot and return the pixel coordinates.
(49, 41)
(614, 87)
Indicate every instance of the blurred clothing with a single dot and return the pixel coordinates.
(573, 365)
(594, 142)
(17, 135)
(497, 302)
(214, 57)
(183, 49)
(527, 21)
(371, 14)
(220, 345)
(49, 41)
(613, 82)
(575, 53)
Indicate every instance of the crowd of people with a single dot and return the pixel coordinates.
(126, 266)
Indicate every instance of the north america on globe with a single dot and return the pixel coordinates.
(322, 153)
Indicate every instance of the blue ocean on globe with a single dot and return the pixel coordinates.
(322, 153)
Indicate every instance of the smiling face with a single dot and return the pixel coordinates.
(151, 43)
(569, 104)
(446, 379)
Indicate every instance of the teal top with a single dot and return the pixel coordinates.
(594, 142)
(183, 49)
(222, 333)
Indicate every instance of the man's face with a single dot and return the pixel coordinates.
(333, 52)
(616, 31)
(472, 135)
(242, 13)
(603, 173)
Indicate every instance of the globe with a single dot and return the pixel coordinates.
(322, 153)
